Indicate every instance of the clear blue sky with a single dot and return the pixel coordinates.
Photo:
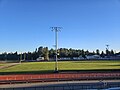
(87, 24)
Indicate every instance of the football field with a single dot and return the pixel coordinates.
(48, 67)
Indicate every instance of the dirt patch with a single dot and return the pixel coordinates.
(9, 65)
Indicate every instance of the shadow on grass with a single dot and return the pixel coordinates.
(27, 72)
(114, 65)
(90, 71)
(61, 71)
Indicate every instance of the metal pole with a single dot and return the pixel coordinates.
(56, 29)
(56, 37)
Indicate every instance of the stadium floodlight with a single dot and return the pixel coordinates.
(56, 30)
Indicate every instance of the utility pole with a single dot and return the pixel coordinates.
(56, 30)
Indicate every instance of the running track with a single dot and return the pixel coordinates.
(5, 79)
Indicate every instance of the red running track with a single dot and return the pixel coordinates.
(59, 76)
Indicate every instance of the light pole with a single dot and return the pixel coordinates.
(56, 29)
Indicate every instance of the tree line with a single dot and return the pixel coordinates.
(46, 53)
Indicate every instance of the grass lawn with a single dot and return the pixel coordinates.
(3, 64)
(47, 67)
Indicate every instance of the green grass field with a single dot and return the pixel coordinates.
(47, 67)
(3, 64)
